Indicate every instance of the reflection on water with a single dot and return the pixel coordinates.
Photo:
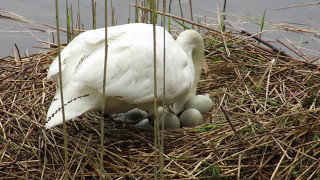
(240, 16)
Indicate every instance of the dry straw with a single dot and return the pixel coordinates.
(272, 133)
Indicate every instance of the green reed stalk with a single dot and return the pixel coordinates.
(153, 14)
(78, 16)
(224, 16)
(94, 19)
(169, 19)
(262, 22)
(191, 13)
(137, 11)
(72, 23)
(68, 22)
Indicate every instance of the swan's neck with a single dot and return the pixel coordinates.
(198, 58)
(192, 43)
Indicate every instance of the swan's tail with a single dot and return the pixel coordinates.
(75, 104)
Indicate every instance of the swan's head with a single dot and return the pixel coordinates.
(191, 41)
(192, 44)
(190, 117)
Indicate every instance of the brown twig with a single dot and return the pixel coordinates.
(273, 48)
(241, 142)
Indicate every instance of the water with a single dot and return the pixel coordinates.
(242, 14)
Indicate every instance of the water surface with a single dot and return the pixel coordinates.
(241, 15)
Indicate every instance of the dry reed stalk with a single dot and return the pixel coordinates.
(299, 5)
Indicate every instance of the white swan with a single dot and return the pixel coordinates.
(129, 81)
(190, 117)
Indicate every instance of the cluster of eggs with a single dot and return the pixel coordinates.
(191, 115)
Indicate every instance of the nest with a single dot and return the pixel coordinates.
(264, 123)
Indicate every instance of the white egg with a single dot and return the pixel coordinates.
(171, 121)
(190, 117)
(200, 102)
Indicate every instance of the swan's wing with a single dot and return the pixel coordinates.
(77, 99)
(130, 68)
(80, 48)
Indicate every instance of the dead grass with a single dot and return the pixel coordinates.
(268, 129)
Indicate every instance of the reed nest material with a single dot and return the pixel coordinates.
(264, 123)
